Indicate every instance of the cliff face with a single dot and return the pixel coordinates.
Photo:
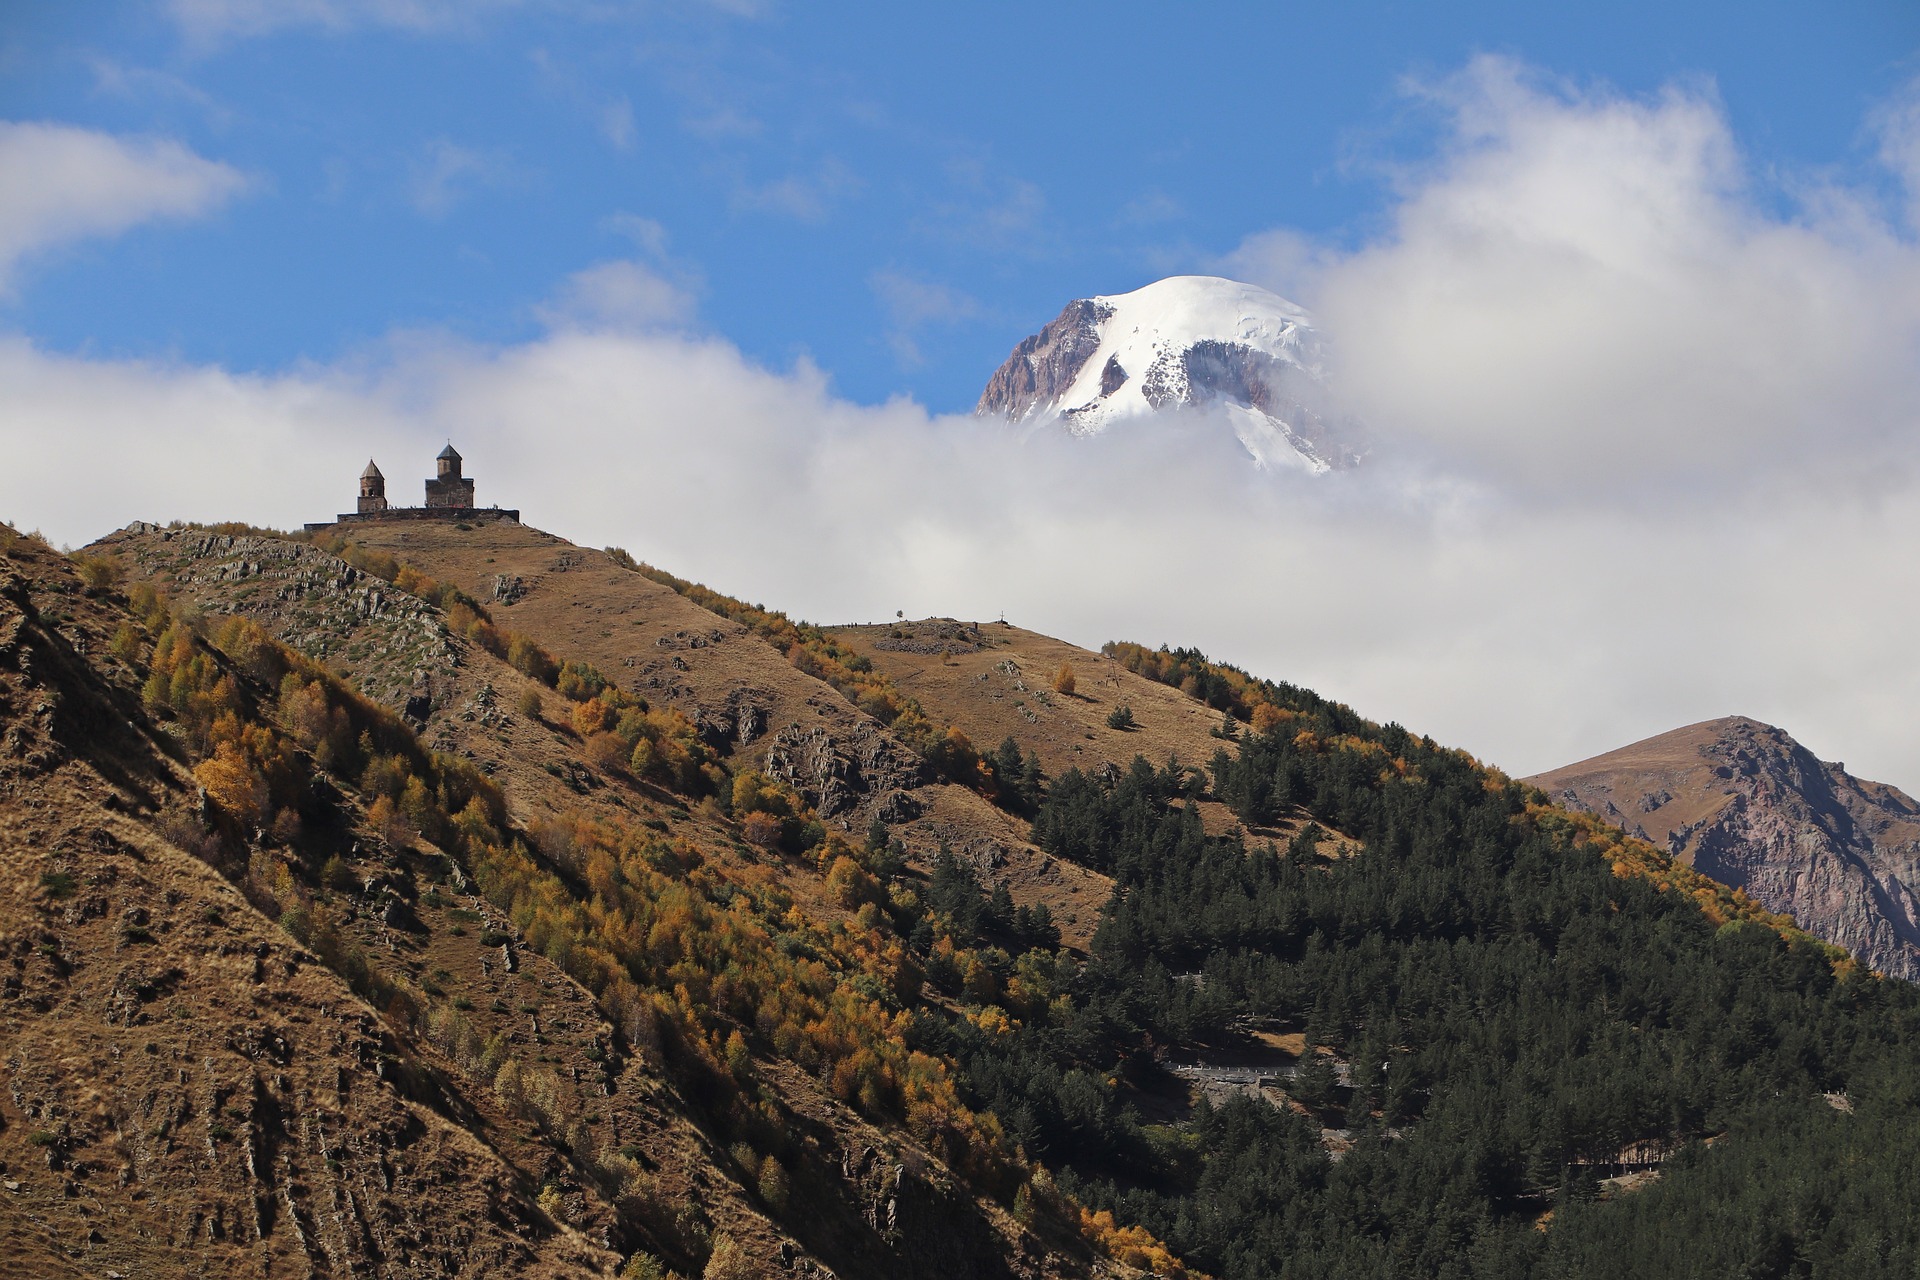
(1744, 803)
(1044, 365)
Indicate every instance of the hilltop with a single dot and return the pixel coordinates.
(1744, 803)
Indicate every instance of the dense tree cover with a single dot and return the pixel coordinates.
(1018, 782)
(971, 913)
(1517, 994)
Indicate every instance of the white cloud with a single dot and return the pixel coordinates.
(1586, 289)
(1898, 124)
(60, 184)
(147, 83)
(1529, 633)
(619, 295)
(616, 123)
(445, 173)
(1152, 207)
(210, 21)
(989, 210)
(646, 233)
(806, 197)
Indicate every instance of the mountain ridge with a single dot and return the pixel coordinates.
(1746, 804)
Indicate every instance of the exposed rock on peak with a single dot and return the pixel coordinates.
(1186, 342)
(1743, 802)
(1043, 367)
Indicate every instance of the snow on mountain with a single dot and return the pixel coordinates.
(1186, 342)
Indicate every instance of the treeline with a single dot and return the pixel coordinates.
(1497, 998)
(1261, 789)
(1225, 688)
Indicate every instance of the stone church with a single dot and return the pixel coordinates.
(449, 497)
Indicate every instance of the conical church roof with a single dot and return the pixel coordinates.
(372, 472)
(449, 453)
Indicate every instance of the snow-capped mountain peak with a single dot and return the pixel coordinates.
(1182, 342)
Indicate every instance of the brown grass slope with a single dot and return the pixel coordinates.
(187, 1090)
(1742, 802)
(996, 681)
(865, 1198)
(748, 700)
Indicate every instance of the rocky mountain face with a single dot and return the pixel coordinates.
(1183, 343)
(1744, 803)
(1044, 366)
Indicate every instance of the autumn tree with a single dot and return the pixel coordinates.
(729, 1261)
(531, 660)
(1266, 716)
(230, 782)
(1063, 680)
(763, 829)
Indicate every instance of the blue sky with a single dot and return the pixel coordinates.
(895, 192)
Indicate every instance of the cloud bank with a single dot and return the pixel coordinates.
(1645, 448)
(1583, 289)
(60, 184)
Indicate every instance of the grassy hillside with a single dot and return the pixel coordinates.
(190, 1088)
(745, 944)
(672, 999)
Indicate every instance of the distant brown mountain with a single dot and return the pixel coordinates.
(1744, 803)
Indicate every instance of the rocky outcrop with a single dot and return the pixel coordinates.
(837, 774)
(1044, 365)
(393, 645)
(1744, 803)
(1229, 373)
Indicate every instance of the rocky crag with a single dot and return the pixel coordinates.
(1744, 803)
